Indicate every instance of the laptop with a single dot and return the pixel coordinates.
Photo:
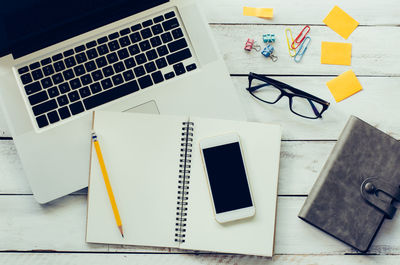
(62, 60)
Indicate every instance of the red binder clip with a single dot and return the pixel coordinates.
(250, 44)
(301, 35)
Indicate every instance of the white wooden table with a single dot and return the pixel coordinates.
(55, 233)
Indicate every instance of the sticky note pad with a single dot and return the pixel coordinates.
(258, 12)
(335, 53)
(344, 85)
(340, 22)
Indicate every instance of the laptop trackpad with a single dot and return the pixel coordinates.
(148, 107)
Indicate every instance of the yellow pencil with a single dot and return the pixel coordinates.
(107, 182)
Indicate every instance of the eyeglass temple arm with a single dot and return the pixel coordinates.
(254, 88)
(316, 112)
(298, 91)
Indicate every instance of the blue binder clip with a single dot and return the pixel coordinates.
(268, 52)
(302, 49)
(269, 38)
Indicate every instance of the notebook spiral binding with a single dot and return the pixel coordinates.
(185, 160)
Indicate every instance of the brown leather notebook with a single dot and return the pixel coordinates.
(356, 187)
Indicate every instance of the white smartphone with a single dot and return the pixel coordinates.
(227, 178)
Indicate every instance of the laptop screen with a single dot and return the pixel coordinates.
(29, 25)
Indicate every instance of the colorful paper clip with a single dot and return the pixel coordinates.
(250, 44)
(268, 52)
(292, 52)
(301, 34)
(302, 49)
(269, 38)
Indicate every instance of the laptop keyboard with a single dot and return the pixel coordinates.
(103, 70)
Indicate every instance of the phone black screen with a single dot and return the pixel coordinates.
(227, 177)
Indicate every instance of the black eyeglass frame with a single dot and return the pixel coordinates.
(295, 92)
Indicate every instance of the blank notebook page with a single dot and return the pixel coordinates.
(261, 150)
(143, 171)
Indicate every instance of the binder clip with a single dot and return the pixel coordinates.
(269, 38)
(251, 44)
(302, 49)
(268, 52)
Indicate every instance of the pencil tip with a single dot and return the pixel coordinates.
(122, 232)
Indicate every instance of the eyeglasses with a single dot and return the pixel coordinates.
(271, 91)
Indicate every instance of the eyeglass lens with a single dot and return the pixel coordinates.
(265, 92)
(306, 107)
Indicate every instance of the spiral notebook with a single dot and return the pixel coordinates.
(159, 184)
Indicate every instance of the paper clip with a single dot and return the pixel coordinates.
(250, 44)
(301, 34)
(292, 52)
(302, 49)
(269, 38)
(268, 52)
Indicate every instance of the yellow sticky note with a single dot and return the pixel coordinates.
(335, 53)
(340, 22)
(258, 12)
(344, 85)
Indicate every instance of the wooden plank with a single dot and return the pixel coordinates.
(299, 167)
(61, 225)
(57, 226)
(12, 176)
(300, 12)
(376, 104)
(369, 56)
(26, 225)
(145, 259)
